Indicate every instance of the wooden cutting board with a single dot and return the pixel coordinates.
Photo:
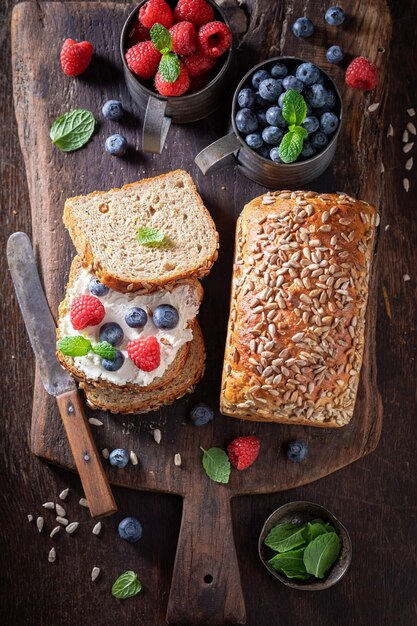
(206, 584)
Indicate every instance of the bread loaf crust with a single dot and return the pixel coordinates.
(296, 328)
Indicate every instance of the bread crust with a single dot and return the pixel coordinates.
(143, 402)
(118, 283)
(69, 363)
(295, 336)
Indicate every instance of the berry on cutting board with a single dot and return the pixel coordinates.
(112, 333)
(145, 353)
(201, 414)
(116, 145)
(297, 451)
(198, 12)
(303, 27)
(361, 74)
(165, 316)
(86, 311)
(97, 288)
(130, 529)
(119, 458)
(113, 110)
(75, 57)
(135, 317)
(112, 365)
(243, 451)
(335, 16)
(184, 38)
(156, 12)
(214, 39)
(335, 54)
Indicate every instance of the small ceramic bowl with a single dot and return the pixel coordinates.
(298, 513)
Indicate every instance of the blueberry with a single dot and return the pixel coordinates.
(303, 27)
(281, 100)
(246, 98)
(270, 89)
(261, 117)
(254, 140)
(136, 317)
(119, 458)
(308, 150)
(201, 414)
(331, 99)
(274, 155)
(165, 316)
(130, 529)
(258, 77)
(316, 96)
(279, 70)
(311, 124)
(334, 54)
(291, 82)
(274, 117)
(264, 150)
(297, 451)
(335, 16)
(112, 365)
(113, 110)
(309, 109)
(112, 333)
(272, 135)
(116, 145)
(307, 73)
(97, 288)
(329, 123)
(319, 140)
(246, 121)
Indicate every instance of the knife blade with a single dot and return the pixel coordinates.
(57, 381)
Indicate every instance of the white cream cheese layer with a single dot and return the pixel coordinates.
(182, 297)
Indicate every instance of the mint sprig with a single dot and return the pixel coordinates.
(294, 111)
(126, 585)
(77, 345)
(72, 130)
(216, 464)
(150, 237)
(169, 65)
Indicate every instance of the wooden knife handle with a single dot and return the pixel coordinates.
(94, 480)
(206, 588)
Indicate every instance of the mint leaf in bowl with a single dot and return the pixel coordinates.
(294, 107)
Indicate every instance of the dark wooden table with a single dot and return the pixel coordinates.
(376, 498)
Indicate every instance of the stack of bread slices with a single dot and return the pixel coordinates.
(124, 275)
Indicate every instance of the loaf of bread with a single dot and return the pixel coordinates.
(104, 225)
(296, 329)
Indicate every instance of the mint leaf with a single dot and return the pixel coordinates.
(161, 38)
(285, 537)
(299, 130)
(294, 108)
(315, 529)
(105, 350)
(126, 586)
(72, 130)
(321, 553)
(290, 147)
(169, 67)
(150, 237)
(291, 564)
(216, 464)
(74, 346)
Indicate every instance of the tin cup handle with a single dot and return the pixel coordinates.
(155, 126)
(215, 156)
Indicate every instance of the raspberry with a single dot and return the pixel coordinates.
(137, 34)
(184, 38)
(75, 57)
(177, 88)
(143, 59)
(198, 12)
(198, 64)
(361, 74)
(86, 311)
(145, 353)
(214, 39)
(243, 451)
(156, 11)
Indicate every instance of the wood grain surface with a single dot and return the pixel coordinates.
(374, 498)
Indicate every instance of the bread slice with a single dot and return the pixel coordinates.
(104, 226)
(143, 402)
(170, 373)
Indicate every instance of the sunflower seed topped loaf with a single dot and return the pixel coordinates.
(296, 328)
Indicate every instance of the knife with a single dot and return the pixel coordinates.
(57, 381)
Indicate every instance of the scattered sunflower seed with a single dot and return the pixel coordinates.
(406, 277)
(157, 435)
(386, 227)
(382, 168)
(373, 107)
(54, 531)
(61, 520)
(52, 555)
(177, 459)
(71, 528)
(405, 136)
(411, 112)
(408, 146)
(377, 220)
(133, 458)
(60, 510)
(95, 422)
(411, 128)
(64, 494)
(406, 184)
(39, 523)
(97, 528)
(105, 453)
(390, 131)
(83, 502)
(48, 505)
(409, 164)
(30, 517)
(95, 573)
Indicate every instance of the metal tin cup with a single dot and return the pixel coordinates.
(252, 164)
(160, 111)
